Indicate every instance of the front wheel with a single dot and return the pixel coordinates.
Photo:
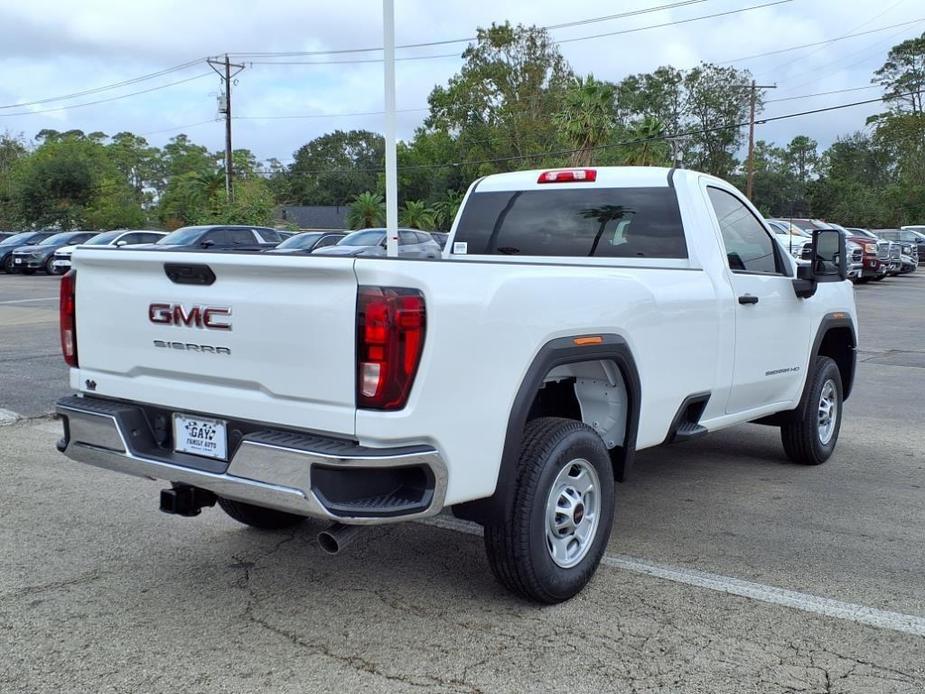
(50, 269)
(810, 437)
(8, 264)
(558, 522)
(258, 516)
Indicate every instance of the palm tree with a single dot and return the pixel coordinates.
(416, 215)
(586, 118)
(446, 208)
(366, 210)
(647, 145)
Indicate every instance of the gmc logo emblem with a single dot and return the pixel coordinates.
(210, 317)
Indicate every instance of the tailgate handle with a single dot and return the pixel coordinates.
(181, 273)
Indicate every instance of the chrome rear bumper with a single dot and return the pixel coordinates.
(268, 468)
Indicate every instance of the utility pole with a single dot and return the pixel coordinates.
(751, 136)
(223, 69)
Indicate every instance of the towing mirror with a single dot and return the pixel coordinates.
(828, 262)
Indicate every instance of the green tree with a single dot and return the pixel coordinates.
(902, 76)
(446, 207)
(802, 157)
(499, 103)
(71, 182)
(717, 98)
(367, 210)
(12, 153)
(336, 167)
(586, 117)
(646, 144)
(415, 214)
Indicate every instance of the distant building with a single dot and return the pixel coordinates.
(313, 216)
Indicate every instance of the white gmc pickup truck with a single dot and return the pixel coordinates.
(577, 316)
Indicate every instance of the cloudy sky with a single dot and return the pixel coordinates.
(49, 49)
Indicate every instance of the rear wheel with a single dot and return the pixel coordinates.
(559, 519)
(258, 516)
(810, 438)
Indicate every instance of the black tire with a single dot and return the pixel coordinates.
(49, 268)
(258, 516)
(8, 264)
(801, 437)
(517, 545)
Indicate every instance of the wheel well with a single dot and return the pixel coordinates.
(838, 343)
(593, 392)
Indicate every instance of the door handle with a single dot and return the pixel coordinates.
(748, 299)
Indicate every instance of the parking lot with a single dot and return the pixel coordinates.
(729, 569)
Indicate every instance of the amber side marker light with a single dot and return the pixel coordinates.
(839, 316)
(594, 340)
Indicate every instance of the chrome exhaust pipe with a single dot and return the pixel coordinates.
(338, 536)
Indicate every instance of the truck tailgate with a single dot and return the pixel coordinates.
(287, 358)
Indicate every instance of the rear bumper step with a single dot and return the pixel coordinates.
(352, 484)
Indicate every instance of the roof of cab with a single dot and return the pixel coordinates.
(607, 177)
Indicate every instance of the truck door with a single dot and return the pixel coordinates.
(771, 323)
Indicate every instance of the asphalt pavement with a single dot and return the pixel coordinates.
(729, 569)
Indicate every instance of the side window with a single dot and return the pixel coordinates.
(218, 237)
(150, 238)
(268, 235)
(406, 238)
(240, 237)
(424, 237)
(131, 239)
(327, 241)
(749, 248)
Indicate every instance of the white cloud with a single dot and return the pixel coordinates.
(48, 50)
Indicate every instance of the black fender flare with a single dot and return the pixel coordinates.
(839, 319)
(555, 353)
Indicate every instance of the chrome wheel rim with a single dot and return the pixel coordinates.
(573, 510)
(828, 412)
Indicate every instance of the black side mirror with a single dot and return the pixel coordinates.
(828, 262)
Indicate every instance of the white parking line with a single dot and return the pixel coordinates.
(27, 301)
(894, 621)
(7, 417)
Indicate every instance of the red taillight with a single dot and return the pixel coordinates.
(67, 318)
(568, 176)
(390, 339)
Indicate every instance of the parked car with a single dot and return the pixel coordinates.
(41, 256)
(220, 237)
(440, 237)
(8, 245)
(580, 316)
(308, 241)
(4, 235)
(892, 252)
(61, 262)
(791, 237)
(908, 235)
(371, 242)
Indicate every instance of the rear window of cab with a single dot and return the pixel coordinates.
(582, 223)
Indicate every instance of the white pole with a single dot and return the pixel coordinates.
(391, 159)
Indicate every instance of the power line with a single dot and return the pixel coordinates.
(559, 41)
(834, 91)
(467, 39)
(105, 101)
(781, 66)
(116, 85)
(820, 43)
(328, 115)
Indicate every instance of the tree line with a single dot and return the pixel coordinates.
(515, 103)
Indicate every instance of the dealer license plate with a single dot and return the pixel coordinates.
(200, 436)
